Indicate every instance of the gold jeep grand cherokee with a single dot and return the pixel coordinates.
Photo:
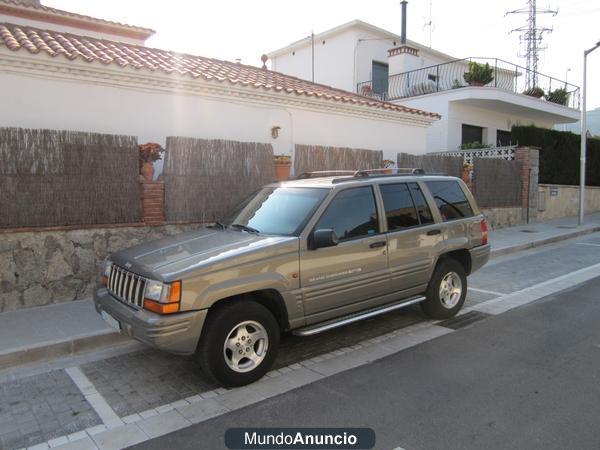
(305, 255)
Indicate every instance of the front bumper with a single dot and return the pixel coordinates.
(177, 333)
(479, 256)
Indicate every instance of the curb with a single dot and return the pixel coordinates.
(108, 338)
(541, 242)
(57, 349)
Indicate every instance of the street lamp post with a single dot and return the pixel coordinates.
(583, 137)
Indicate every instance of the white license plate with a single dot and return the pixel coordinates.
(111, 320)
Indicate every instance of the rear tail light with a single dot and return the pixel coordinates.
(484, 232)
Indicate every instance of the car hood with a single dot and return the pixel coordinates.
(171, 257)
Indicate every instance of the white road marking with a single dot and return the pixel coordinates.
(587, 243)
(485, 291)
(100, 405)
(502, 304)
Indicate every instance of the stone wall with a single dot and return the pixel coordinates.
(42, 267)
(505, 217)
(565, 202)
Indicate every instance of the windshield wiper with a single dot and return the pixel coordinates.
(219, 225)
(244, 227)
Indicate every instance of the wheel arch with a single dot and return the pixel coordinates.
(463, 256)
(269, 298)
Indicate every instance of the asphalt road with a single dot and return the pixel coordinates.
(526, 379)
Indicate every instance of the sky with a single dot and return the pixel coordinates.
(231, 29)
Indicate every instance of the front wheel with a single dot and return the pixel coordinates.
(447, 290)
(239, 343)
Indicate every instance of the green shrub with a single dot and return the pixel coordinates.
(534, 91)
(559, 154)
(474, 145)
(560, 96)
(478, 73)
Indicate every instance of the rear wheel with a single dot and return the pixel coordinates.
(239, 343)
(447, 290)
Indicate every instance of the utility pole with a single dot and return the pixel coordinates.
(531, 37)
(583, 137)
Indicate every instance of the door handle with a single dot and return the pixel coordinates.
(434, 232)
(377, 244)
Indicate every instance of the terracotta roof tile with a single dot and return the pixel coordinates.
(60, 12)
(54, 43)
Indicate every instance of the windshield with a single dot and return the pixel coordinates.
(276, 210)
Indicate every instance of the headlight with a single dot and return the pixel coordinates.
(154, 290)
(106, 268)
(162, 298)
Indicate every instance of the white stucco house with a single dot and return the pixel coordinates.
(374, 62)
(61, 70)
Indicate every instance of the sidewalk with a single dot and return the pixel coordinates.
(49, 332)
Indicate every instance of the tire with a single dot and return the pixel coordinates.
(447, 290)
(238, 322)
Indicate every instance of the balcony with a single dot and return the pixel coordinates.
(451, 75)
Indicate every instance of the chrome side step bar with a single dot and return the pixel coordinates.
(351, 318)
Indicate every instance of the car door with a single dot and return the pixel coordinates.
(338, 279)
(412, 236)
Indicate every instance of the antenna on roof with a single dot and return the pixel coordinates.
(430, 24)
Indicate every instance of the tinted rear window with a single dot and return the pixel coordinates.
(425, 215)
(400, 210)
(450, 199)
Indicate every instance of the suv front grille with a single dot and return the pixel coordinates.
(126, 286)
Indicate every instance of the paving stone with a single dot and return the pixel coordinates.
(81, 444)
(238, 398)
(119, 438)
(202, 410)
(27, 409)
(163, 424)
(58, 441)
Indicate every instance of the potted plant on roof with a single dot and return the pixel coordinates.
(560, 96)
(478, 74)
(282, 163)
(534, 91)
(388, 166)
(148, 153)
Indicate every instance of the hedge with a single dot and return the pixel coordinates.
(559, 154)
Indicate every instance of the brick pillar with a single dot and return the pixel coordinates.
(153, 202)
(529, 157)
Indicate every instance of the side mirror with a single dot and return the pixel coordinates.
(325, 237)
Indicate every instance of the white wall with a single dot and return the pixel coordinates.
(446, 133)
(489, 119)
(334, 61)
(370, 47)
(55, 104)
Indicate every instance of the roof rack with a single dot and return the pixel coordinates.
(324, 173)
(348, 175)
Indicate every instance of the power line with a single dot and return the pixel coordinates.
(531, 38)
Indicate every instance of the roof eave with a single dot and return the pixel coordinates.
(170, 82)
(76, 20)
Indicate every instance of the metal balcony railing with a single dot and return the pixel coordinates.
(451, 75)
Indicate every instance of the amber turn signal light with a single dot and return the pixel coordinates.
(175, 292)
(161, 308)
(172, 303)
